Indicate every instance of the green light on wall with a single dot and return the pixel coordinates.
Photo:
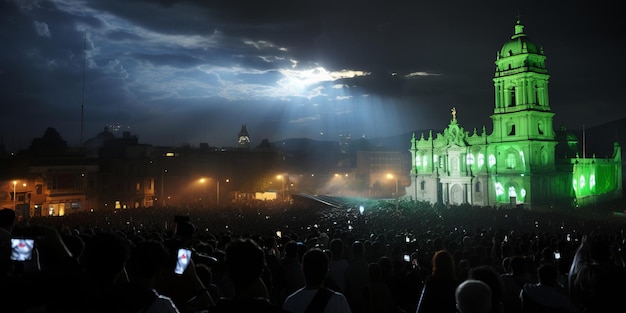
(499, 189)
(492, 160)
(481, 160)
(469, 159)
(584, 180)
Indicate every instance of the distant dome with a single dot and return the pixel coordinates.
(565, 135)
(93, 144)
(519, 44)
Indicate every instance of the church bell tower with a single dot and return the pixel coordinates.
(522, 116)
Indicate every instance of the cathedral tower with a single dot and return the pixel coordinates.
(243, 141)
(522, 115)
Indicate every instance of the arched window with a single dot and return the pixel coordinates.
(512, 103)
(477, 187)
(511, 160)
(422, 185)
(537, 95)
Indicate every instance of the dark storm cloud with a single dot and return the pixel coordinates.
(291, 68)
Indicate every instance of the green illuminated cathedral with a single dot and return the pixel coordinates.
(523, 161)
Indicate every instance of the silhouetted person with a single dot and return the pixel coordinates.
(292, 267)
(148, 259)
(438, 292)
(377, 292)
(473, 296)
(338, 264)
(545, 296)
(357, 278)
(513, 282)
(245, 262)
(489, 275)
(600, 284)
(314, 297)
(7, 220)
(104, 260)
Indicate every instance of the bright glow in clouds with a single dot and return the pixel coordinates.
(298, 80)
(417, 74)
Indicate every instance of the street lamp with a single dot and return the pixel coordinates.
(396, 193)
(14, 198)
(15, 194)
(162, 178)
(282, 179)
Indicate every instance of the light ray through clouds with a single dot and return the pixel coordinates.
(144, 60)
(285, 70)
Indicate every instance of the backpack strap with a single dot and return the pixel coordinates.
(318, 304)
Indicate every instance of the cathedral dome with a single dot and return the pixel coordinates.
(519, 44)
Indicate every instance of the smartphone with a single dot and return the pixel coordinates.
(182, 262)
(22, 249)
(407, 257)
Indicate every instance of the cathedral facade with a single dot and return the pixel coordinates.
(523, 162)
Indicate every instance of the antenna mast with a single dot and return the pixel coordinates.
(82, 105)
(584, 143)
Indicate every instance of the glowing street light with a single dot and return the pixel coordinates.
(162, 179)
(282, 179)
(217, 188)
(391, 176)
(14, 198)
(15, 194)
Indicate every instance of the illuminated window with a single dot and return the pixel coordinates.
(592, 181)
(481, 159)
(425, 161)
(470, 159)
(582, 181)
(499, 189)
(512, 192)
(510, 160)
(492, 160)
(418, 161)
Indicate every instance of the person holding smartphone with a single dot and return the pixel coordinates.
(7, 220)
(22, 249)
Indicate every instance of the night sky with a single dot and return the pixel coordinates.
(186, 72)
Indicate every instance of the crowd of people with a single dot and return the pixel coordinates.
(271, 256)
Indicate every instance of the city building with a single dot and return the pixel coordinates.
(523, 162)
